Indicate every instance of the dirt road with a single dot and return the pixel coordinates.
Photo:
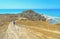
(18, 32)
(28, 32)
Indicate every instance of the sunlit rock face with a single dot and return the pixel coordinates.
(54, 21)
(51, 21)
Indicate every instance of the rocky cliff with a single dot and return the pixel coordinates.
(31, 15)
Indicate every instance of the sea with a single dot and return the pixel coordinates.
(49, 12)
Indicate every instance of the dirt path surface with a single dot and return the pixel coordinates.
(28, 32)
(18, 32)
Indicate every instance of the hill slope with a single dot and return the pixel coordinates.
(27, 29)
(33, 27)
(31, 15)
(41, 29)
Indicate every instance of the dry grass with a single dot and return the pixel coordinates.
(4, 27)
(40, 24)
(36, 27)
(5, 19)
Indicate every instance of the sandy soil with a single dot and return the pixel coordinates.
(28, 32)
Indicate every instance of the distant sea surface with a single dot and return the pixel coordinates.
(50, 12)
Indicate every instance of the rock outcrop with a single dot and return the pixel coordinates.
(31, 15)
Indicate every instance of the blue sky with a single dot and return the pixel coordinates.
(29, 4)
(53, 5)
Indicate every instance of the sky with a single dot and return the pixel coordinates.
(29, 4)
(52, 6)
